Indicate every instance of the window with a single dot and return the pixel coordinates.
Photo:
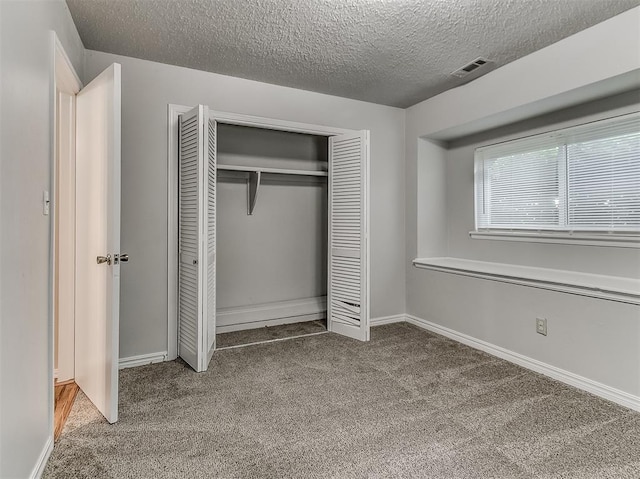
(580, 179)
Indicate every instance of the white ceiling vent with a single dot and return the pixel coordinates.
(475, 66)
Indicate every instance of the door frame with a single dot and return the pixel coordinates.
(64, 78)
(173, 111)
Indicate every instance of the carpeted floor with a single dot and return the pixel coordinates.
(407, 404)
(269, 333)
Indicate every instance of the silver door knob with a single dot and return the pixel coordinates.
(104, 259)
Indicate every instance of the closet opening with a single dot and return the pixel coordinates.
(268, 231)
(271, 234)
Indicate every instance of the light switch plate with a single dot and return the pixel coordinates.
(46, 203)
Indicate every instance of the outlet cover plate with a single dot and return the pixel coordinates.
(541, 326)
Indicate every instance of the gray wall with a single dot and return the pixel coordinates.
(596, 339)
(147, 89)
(279, 252)
(25, 153)
(593, 338)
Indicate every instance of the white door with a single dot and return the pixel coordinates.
(196, 237)
(98, 240)
(348, 289)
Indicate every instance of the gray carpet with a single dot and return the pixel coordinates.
(270, 333)
(407, 404)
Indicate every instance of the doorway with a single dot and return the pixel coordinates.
(85, 233)
(67, 85)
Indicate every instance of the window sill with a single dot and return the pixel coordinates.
(583, 239)
(612, 288)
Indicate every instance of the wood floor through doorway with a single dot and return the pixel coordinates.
(65, 395)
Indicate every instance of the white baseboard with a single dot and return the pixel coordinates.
(228, 328)
(38, 469)
(396, 318)
(142, 360)
(276, 340)
(580, 382)
(258, 315)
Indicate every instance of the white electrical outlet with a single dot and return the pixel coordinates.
(541, 326)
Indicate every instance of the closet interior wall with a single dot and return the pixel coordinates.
(272, 264)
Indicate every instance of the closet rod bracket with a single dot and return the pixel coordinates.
(253, 184)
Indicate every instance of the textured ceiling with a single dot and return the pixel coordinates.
(393, 52)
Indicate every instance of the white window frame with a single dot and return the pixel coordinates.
(626, 239)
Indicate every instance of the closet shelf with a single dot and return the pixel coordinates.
(255, 177)
(279, 171)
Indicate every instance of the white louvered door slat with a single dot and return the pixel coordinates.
(196, 238)
(190, 152)
(348, 292)
(211, 238)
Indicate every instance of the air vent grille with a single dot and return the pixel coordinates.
(476, 64)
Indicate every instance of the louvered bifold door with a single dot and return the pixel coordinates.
(348, 292)
(192, 310)
(211, 237)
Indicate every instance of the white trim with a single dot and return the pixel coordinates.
(173, 111)
(41, 463)
(142, 360)
(51, 314)
(71, 80)
(613, 240)
(63, 224)
(275, 124)
(277, 171)
(67, 81)
(68, 78)
(278, 310)
(228, 328)
(612, 288)
(396, 318)
(602, 390)
(275, 340)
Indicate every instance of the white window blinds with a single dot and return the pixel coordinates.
(585, 178)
